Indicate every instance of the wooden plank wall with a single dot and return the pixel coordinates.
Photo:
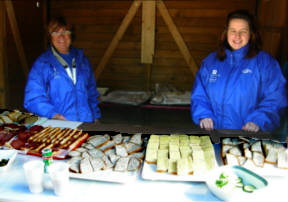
(30, 24)
(273, 20)
(199, 22)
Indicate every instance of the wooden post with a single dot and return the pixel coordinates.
(117, 37)
(177, 37)
(16, 34)
(148, 31)
(3, 58)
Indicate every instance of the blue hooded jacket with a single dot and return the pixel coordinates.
(238, 90)
(49, 89)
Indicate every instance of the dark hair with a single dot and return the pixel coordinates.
(56, 23)
(254, 41)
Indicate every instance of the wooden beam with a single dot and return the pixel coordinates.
(3, 66)
(177, 37)
(16, 34)
(117, 37)
(148, 31)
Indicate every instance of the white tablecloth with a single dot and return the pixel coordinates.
(13, 187)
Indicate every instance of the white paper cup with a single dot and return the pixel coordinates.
(59, 174)
(34, 171)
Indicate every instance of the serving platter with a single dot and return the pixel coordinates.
(269, 170)
(107, 176)
(61, 141)
(229, 191)
(149, 172)
(110, 158)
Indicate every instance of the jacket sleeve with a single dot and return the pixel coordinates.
(272, 98)
(36, 98)
(200, 102)
(93, 92)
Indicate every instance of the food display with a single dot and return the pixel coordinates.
(104, 152)
(8, 131)
(57, 139)
(176, 157)
(33, 140)
(231, 183)
(242, 151)
(23, 118)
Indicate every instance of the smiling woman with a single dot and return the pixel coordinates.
(61, 83)
(238, 33)
(239, 86)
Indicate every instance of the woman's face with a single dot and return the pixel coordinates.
(61, 40)
(238, 33)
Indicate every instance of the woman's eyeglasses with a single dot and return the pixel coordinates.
(64, 33)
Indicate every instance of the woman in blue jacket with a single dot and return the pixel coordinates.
(61, 83)
(239, 86)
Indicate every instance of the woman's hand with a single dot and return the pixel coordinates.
(59, 117)
(251, 127)
(207, 124)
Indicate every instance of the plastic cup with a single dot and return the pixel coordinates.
(59, 174)
(34, 171)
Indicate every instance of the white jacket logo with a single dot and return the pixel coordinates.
(213, 76)
(246, 71)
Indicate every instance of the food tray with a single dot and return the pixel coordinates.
(98, 147)
(268, 170)
(61, 153)
(149, 172)
(58, 153)
(108, 176)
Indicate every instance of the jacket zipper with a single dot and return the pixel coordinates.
(224, 94)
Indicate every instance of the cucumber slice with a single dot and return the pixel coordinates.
(223, 176)
(221, 182)
(249, 188)
(239, 179)
(239, 184)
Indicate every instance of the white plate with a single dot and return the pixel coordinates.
(107, 176)
(7, 154)
(149, 173)
(227, 193)
(269, 170)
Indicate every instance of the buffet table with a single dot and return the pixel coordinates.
(14, 186)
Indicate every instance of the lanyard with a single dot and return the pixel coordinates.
(70, 71)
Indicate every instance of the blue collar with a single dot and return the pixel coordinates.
(238, 54)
